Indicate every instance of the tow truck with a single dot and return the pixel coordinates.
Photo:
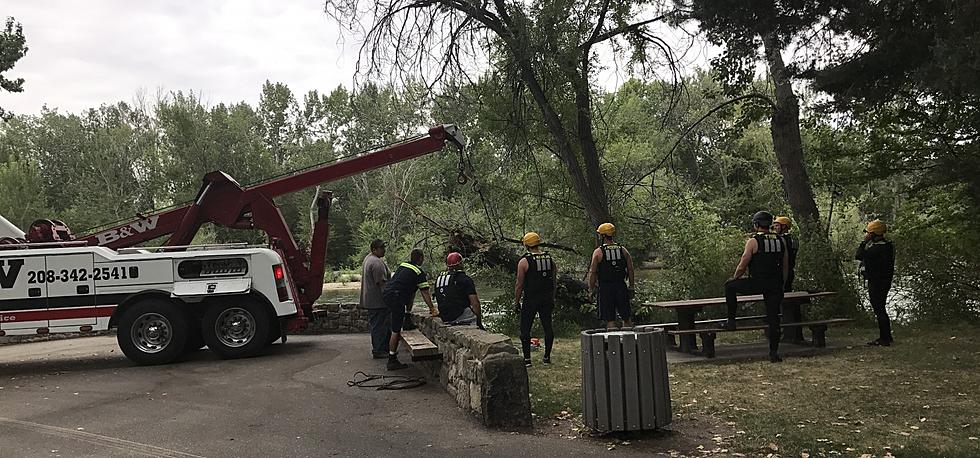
(168, 300)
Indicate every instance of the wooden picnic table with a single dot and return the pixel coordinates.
(687, 311)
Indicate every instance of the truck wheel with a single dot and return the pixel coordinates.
(238, 328)
(152, 331)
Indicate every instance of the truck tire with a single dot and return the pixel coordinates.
(238, 327)
(152, 331)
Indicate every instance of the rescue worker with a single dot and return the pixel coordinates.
(456, 294)
(534, 294)
(766, 259)
(399, 295)
(374, 275)
(792, 312)
(877, 257)
(609, 271)
(781, 226)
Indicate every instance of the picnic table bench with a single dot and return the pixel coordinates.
(687, 329)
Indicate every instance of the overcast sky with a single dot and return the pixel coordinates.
(85, 53)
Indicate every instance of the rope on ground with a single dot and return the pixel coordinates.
(385, 382)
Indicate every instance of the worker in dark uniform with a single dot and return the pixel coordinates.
(399, 295)
(781, 226)
(766, 259)
(877, 257)
(534, 294)
(792, 311)
(609, 270)
(456, 294)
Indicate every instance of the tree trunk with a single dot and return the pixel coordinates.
(588, 184)
(786, 140)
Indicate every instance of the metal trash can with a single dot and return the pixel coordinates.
(624, 379)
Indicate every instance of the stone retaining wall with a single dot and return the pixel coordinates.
(482, 371)
(338, 318)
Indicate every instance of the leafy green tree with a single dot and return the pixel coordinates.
(13, 46)
(760, 31)
(544, 55)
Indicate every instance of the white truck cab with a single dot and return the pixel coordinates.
(164, 302)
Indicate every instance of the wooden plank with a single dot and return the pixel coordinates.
(630, 382)
(741, 299)
(617, 417)
(419, 346)
(644, 348)
(600, 372)
(661, 381)
(588, 385)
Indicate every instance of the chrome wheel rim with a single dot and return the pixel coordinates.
(235, 327)
(152, 333)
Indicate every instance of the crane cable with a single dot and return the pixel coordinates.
(467, 174)
(385, 382)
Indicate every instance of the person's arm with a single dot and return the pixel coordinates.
(594, 268)
(379, 274)
(743, 263)
(785, 265)
(629, 266)
(554, 283)
(427, 297)
(519, 286)
(475, 304)
(864, 243)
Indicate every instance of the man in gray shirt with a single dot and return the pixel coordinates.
(374, 275)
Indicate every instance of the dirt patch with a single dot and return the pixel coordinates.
(689, 435)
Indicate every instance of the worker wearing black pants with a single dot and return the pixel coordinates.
(534, 294)
(772, 294)
(766, 260)
(877, 257)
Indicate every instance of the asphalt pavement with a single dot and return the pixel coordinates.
(83, 398)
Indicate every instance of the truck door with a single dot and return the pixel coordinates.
(71, 294)
(23, 293)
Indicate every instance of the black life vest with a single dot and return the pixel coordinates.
(539, 280)
(767, 263)
(612, 268)
(448, 292)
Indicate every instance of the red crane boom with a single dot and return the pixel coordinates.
(223, 202)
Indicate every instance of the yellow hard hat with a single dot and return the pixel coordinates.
(607, 229)
(877, 227)
(531, 239)
(783, 220)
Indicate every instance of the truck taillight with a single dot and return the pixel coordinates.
(280, 275)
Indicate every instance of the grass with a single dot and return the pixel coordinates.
(918, 398)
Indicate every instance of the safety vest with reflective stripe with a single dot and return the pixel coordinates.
(612, 268)
(539, 280)
(767, 262)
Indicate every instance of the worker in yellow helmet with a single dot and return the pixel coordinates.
(610, 269)
(534, 294)
(877, 257)
(790, 308)
(781, 226)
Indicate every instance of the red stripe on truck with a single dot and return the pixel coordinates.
(57, 314)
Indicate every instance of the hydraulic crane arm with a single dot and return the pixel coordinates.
(223, 202)
(231, 200)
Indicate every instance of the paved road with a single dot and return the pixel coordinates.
(82, 397)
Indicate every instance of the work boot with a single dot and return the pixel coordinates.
(547, 360)
(394, 364)
(729, 325)
(774, 357)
